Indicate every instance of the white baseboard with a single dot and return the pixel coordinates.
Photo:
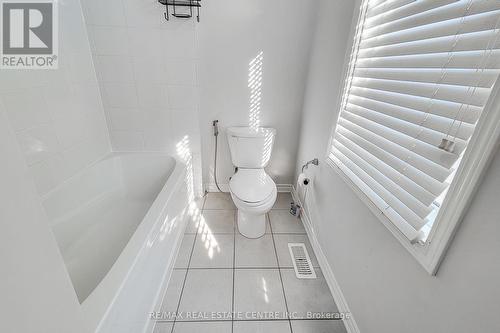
(213, 188)
(225, 187)
(338, 296)
(284, 188)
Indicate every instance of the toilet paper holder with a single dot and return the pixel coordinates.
(295, 208)
(306, 180)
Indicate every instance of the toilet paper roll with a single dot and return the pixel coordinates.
(301, 187)
(300, 180)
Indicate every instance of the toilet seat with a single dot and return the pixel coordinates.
(252, 186)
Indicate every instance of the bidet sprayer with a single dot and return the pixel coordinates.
(313, 161)
(215, 125)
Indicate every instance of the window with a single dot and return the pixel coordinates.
(417, 118)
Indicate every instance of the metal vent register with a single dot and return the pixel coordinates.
(301, 261)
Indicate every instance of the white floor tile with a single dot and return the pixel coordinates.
(255, 252)
(199, 202)
(185, 251)
(258, 291)
(268, 229)
(279, 326)
(318, 326)
(282, 240)
(205, 327)
(283, 222)
(213, 251)
(213, 221)
(206, 291)
(219, 201)
(307, 295)
(173, 294)
(195, 209)
(283, 201)
(163, 327)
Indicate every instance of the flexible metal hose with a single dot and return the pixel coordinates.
(215, 161)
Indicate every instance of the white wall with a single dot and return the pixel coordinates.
(231, 34)
(57, 114)
(146, 69)
(51, 126)
(385, 287)
(36, 292)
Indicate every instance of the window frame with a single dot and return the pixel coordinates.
(480, 151)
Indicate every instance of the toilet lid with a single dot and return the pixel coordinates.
(251, 185)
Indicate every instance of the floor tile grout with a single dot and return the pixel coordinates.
(279, 272)
(235, 235)
(231, 233)
(187, 271)
(251, 320)
(241, 268)
(234, 272)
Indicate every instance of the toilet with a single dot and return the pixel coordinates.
(252, 190)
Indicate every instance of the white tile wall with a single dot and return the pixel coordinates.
(127, 140)
(57, 115)
(146, 68)
(150, 69)
(123, 119)
(140, 13)
(146, 41)
(118, 95)
(38, 143)
(110, 40)
(109, 12)
(230, 37)
(182, 97)
(114, 69)
(152, 95)
(26, 108)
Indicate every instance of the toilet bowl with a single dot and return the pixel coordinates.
(252, 190)
(254, 194)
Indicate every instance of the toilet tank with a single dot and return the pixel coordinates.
(250, 148)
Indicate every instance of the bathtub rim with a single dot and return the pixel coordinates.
(97, 306)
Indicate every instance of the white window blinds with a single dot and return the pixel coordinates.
(419, 76)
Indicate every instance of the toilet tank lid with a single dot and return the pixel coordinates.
(249, 132)
(251, 185)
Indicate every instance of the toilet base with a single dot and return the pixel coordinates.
(251, 225)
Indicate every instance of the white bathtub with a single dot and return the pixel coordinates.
(118, 225)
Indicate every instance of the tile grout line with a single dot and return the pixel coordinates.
(187, 270)
(233, 320)
(234, 270)
(242, 268)
(231, 233)
(279, 272)
(251, 320)
(236, 209)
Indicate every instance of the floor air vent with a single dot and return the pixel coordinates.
(301, 261)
